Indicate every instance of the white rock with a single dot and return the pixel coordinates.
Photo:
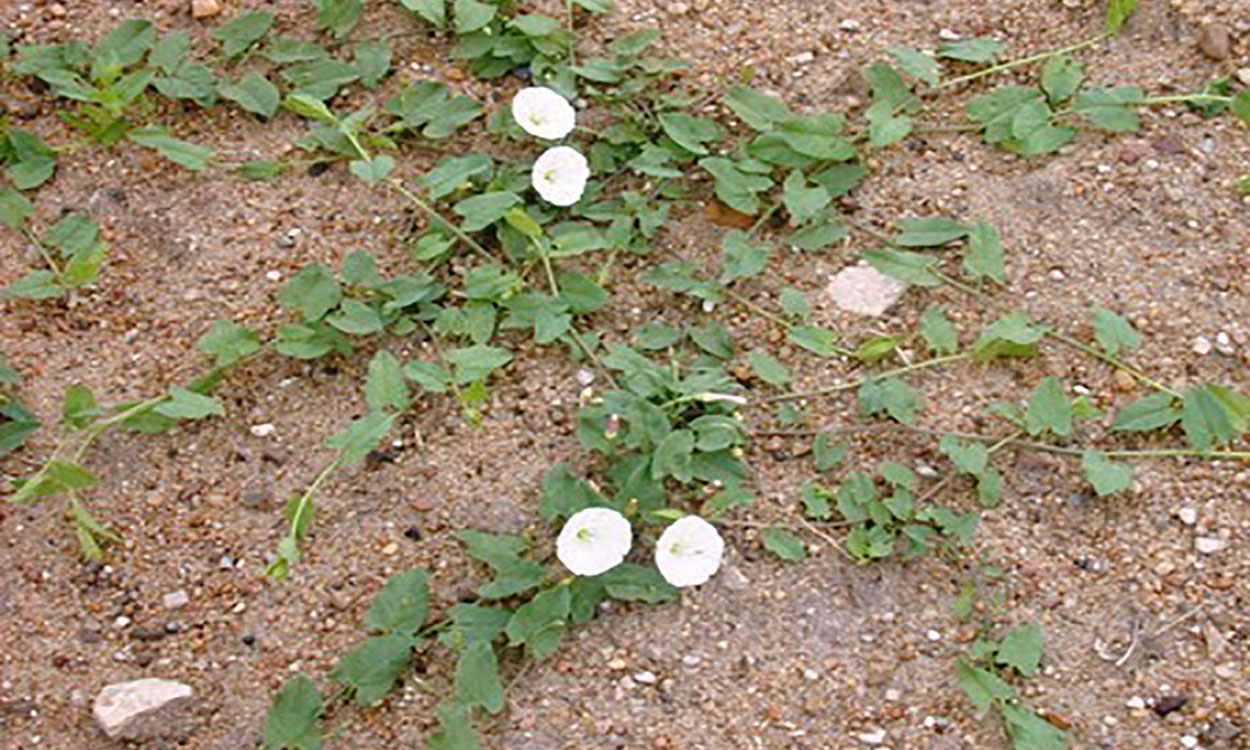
(645, 678)
(1209, 545)
(875, 737)
(1243, 75)
(205, 8)
(262, 430)
(893, 695)
(803, 58)
(849, 24)
(274, 275)
(1202, 346)
(947, 35)
(1188, 516)
(864, 290)
(1135, 702)
(1189, 741)
(122, 709)
(175, 599)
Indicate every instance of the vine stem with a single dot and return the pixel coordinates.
(395, 183)
(47, 257)
(1091, 351)
(573, 332)
(994, 69)
(934, 362)
(950, 477)
(1184, 98)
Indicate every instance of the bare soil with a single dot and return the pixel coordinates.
(767, 655)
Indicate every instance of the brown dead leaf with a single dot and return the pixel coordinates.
(724, 216)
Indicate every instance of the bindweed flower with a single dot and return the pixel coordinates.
(593, 541)
(560, 175)
(542, 112)
(689, 552)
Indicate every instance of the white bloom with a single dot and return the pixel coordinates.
(728, 397)
(594, 540)
(560, 175)
(689, 552)
(542, 112)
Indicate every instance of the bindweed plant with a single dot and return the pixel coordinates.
(518, 243)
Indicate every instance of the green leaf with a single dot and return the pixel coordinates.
(254, 93)
(996, 111)
(35, 285)
(767, 368)
(759, 111)
(79, 406)
(930, 231)
(313, 292)
(1028, 731)
(743, 257)
(14, 208)
(122, 47)
(795, 303)
(475, 363)
(714, 339)
(1021, 649)
(1113, 333)
(227, 342)
(1211, 415)
(373, 60)
(886, 131)
(565, 494)
(473, 622)
(169, 53)
(261, 169)
(434, 11)
(361, 436)
(917, 64)
(243, 32)
(673, 455)
(985, 254)
(35, 160)
(827, 453)
(472, 15)
(914, 268)
(372, 668)
(1013, 335)
(638, 583)
(456, 732)
(892, 396)
(783, 544)
(1108, 108)
(291, 723)
(1149, 413)
(338, 16)
(817, 340)
(477, 677)
(1106, 476)
(357, 318)
(1241, 105)
(990, 489)
(818, 136)
(969, 457)
(540, 623)
(384, 386)
(1118, 12)
(185, 404)
(803, 203)
(453, 172)
(734, 187)
(373, 170)
(1061, 77)
(983, 688)
(688, 131)
(1049, 409)
(481, 211)
(980, 49)
(185, 153)
(938, 332)
(400, 607)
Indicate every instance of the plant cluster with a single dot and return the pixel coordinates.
(536, 240)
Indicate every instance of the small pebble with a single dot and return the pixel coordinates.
(121, 622)
(811, 675)
(205, 8)
(1208, 545)
(646, 678)
(390, 549)
(1189, 741)
(1215, 41)
(585, 377)
(849, 24)
(875, 737)
(803, 58)
(617, 665)
(1243, 75)
(175, 599)
(677, 9)
(933, 635)
(274, 275)
(1202, 346)
(947, 35)
(1135, 702)
(893, 695)
(1224, 344)
(1188, 516)
(690, 660)
(263, 430)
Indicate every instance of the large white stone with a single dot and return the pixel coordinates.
(140, 707)
(864, 290)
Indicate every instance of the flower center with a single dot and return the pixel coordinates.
(584, 535)
(537, 118)
(551, 175)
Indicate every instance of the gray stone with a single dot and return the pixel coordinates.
(864, 290)
(144, 709)
(175, 599)
(1215, 41)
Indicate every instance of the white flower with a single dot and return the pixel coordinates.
(560, 175)
(728, 397)
(594, 540)
(689, 552)
(542, 112)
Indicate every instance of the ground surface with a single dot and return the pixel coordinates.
(767, 655)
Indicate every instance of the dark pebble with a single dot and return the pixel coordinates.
(173, 627)
(249, 640)
(1169, 703)
(148, 634)
(316, 169)
(257, 498)
(87, 635)
(413, 533)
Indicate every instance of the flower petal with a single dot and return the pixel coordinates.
(560, 175)
(594, 541)
(689, 552)
(542, 112)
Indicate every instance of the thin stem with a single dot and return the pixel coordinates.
(572, 34)
(1183, 98)
(47, 257)
(1022, 61)
(1091, 351)
(934, 362)
(435, 216)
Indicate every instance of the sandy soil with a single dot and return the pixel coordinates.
(768, 655)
